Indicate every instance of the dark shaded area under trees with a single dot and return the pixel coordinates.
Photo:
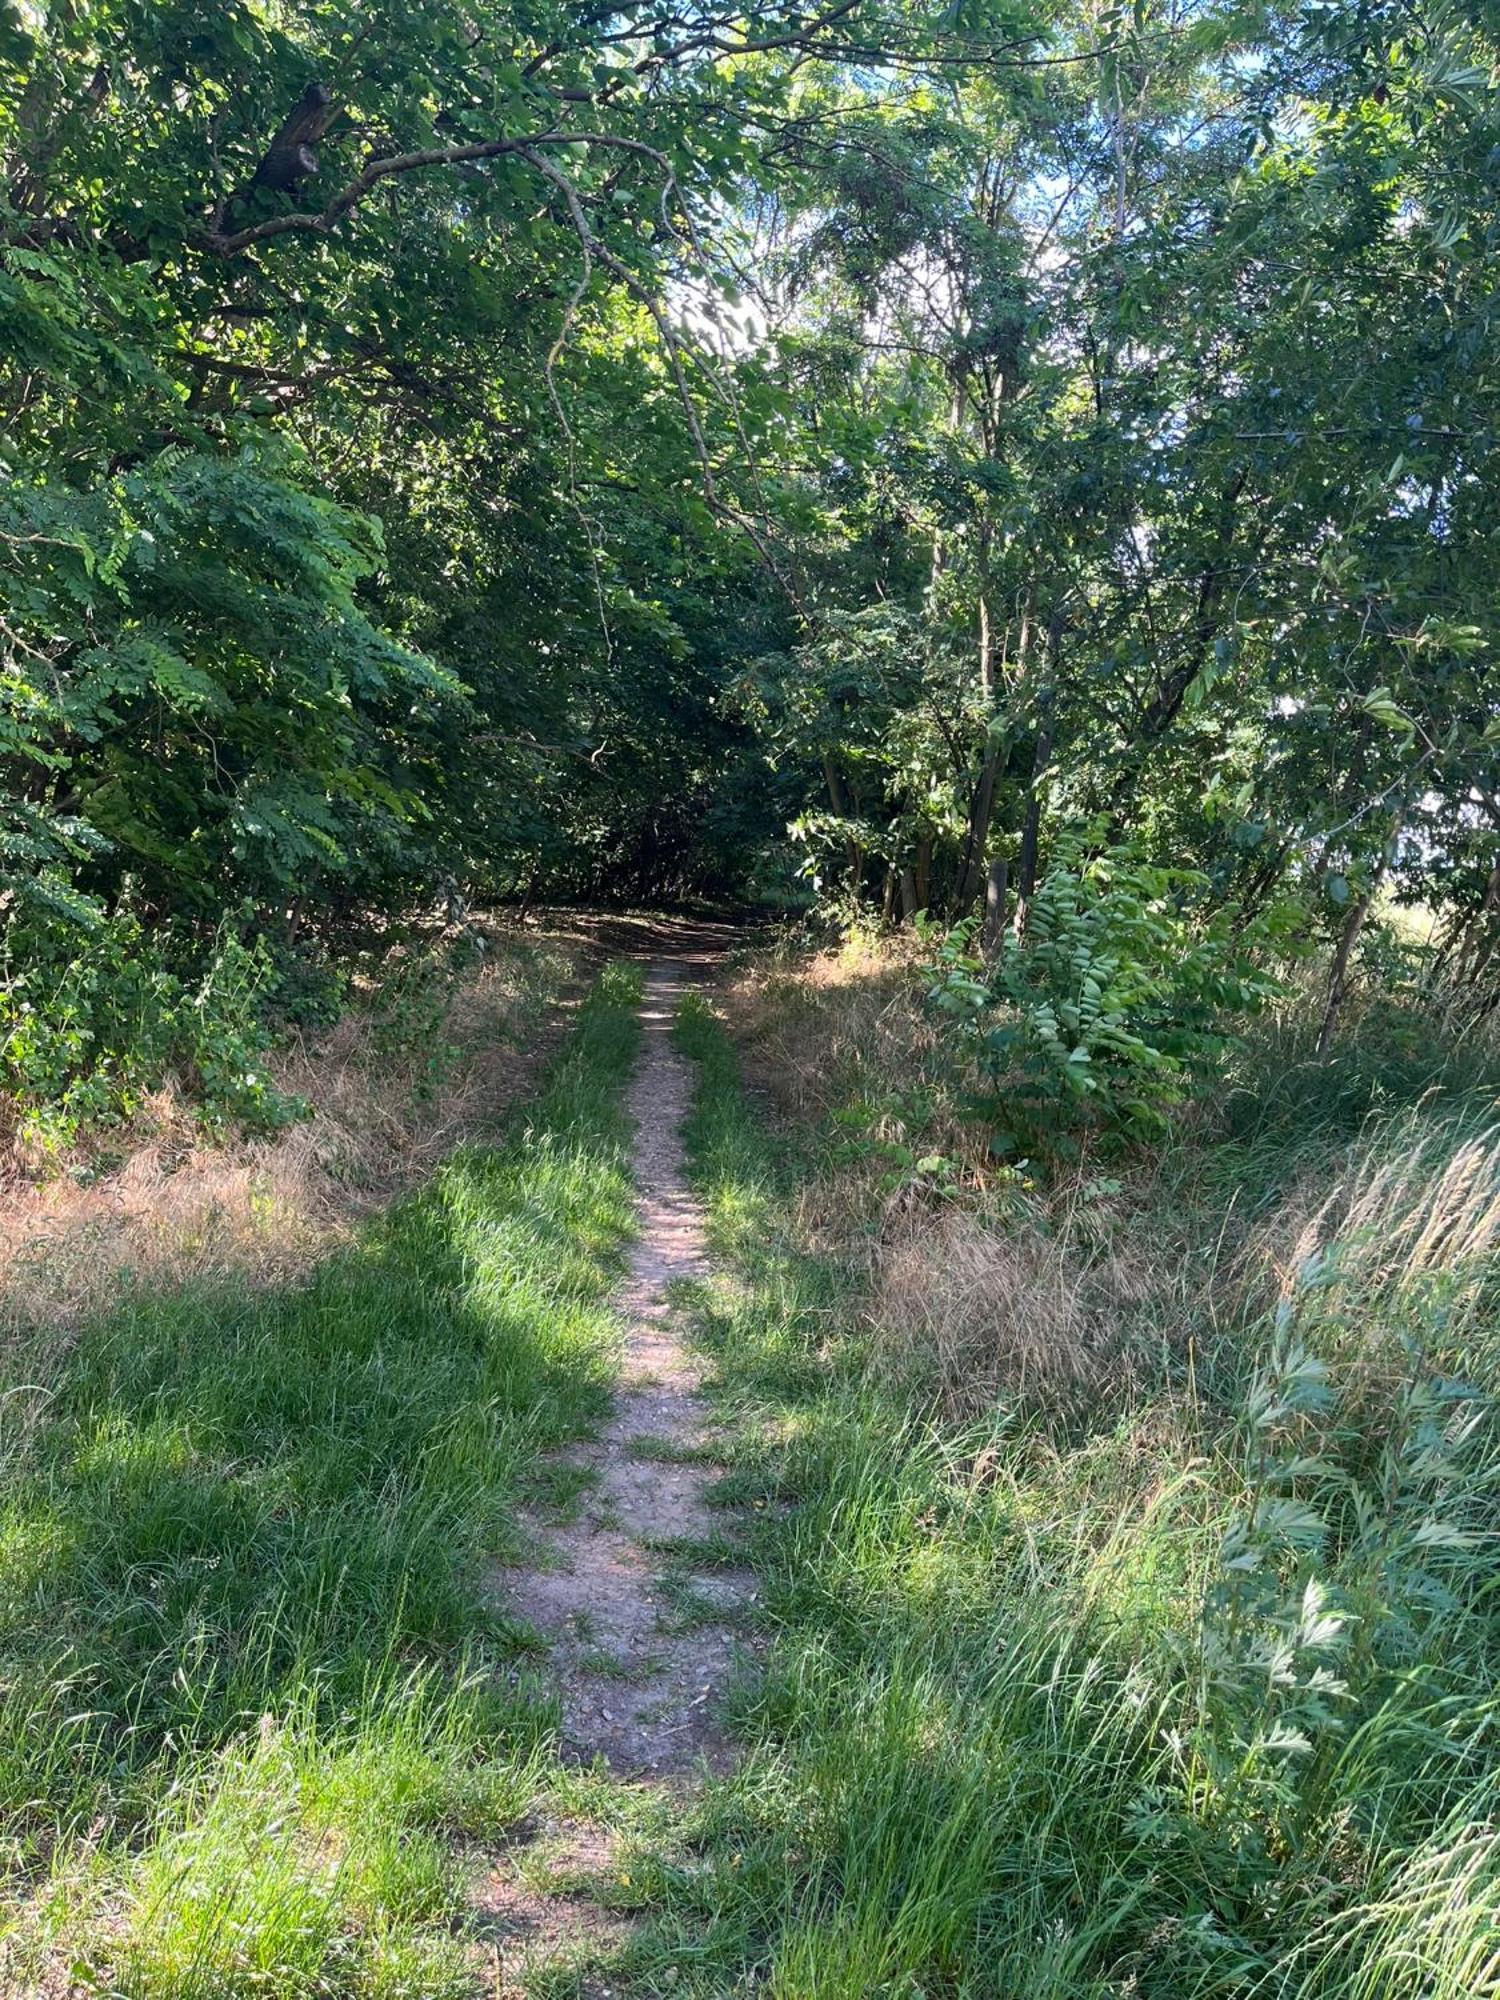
(469, 453)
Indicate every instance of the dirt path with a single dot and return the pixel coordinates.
(641, 1624)
(639, 1661)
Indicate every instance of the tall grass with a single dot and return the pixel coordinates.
(1278, 1109)
(405, 1073)
(1197, 1699)
(253, 1684)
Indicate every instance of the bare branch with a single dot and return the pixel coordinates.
(292, 155)
(600, 253)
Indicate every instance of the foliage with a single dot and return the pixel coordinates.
(1115, 996)
(1159, 556)
(511, 453)
(84, 1037)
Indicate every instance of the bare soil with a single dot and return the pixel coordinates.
(639, 1668)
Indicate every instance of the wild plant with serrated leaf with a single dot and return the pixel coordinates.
(1348, 1573)
(1118, 991)
(1273, 1633)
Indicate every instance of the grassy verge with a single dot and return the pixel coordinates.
(254, 1695)
(1190, 1693)
(428, 1054)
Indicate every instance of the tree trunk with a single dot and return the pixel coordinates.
(292, 155)
(1354, 923)
(838, 798)
(923, 872)
(1478, 945)
(1214, 598)
(1026, 868)
(971, 874)
(1338, 972)
(981, 813)
(992, 937)
(971, 867)
(1042, 757)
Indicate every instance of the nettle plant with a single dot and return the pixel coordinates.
(94, 1017)
(1270, 1678)
(1119, 990)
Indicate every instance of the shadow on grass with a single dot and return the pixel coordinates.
(246, 1653)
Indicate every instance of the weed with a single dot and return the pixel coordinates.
(1106, 1007)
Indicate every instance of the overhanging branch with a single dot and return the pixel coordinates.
(221, 242)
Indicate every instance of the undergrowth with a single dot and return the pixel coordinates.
(425, 1055)
(1188, 1693)
(255, 1695)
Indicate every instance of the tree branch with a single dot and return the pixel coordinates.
(220, 242)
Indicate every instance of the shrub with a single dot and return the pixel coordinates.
(1117, 993)
(93, 1017)
(410, 1021)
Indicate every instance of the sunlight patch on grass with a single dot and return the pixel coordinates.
(253, 1689)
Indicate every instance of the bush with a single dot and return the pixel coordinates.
(95, 1016)
(1118, 992)
(410, 1020)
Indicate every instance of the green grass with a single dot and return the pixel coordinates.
(1196, 1700)
(255, 1692)
(1201, 1703)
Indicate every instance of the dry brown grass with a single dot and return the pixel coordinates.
(177, 1206)
(979, 1309)
(846, 1026)
(1028, 1308)
(1078, 1295)
(1048, 1296)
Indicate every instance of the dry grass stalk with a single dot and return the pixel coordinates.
(179, 1206)
(846, 1026)
(985, 1306)
(819, 1024)
(1429, 1208)
(981, 1310)
(1402, 1254)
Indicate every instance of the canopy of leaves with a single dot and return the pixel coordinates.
(630, 453)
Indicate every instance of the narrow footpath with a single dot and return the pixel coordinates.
(642, 1625)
